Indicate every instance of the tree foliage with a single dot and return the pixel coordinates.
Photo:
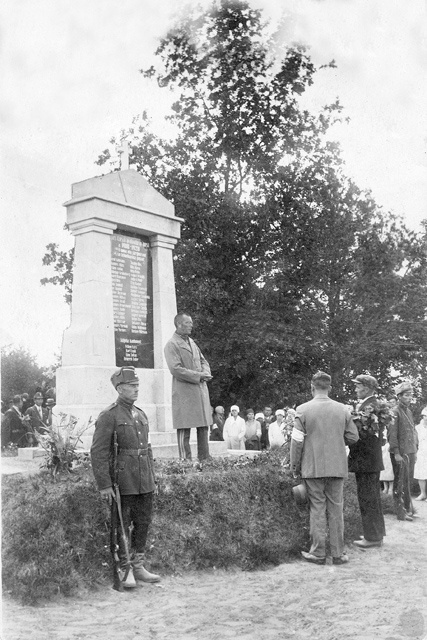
(286, 267)
(62, 262)
(20, 373)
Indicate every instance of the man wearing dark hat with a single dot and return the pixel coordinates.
(403, 440)
(365, 461)
(39, 416)
(135, 467)
(321, 430)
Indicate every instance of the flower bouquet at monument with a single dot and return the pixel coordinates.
(374, 419)
(60, 442)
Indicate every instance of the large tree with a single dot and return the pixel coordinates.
(285, 266)
(20, 373)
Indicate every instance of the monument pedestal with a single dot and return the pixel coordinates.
(121, 296)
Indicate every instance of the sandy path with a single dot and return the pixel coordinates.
(380, 595)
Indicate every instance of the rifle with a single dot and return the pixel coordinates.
(119, 574)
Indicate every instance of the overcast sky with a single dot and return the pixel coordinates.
(70, 82)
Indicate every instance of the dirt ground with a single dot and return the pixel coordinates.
(380, 595)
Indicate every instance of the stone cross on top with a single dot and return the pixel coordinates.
(123, 150)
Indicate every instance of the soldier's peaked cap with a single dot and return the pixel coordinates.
(125, 375)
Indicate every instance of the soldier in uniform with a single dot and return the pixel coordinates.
(135, 467)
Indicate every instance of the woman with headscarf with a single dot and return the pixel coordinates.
(275, 430)
(234, 430)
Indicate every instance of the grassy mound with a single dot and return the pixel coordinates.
(228, 513)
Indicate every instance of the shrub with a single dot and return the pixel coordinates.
(54, 536)
(225, 513)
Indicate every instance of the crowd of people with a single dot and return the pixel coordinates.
(24, 419)
(328, 441)
(255, 432)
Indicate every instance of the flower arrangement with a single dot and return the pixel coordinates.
(60, 442)
(288, 423)
(374, 419)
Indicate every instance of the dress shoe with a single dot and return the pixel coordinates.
(311, 558)
(420, 497)
(367, 544)
(340, 559)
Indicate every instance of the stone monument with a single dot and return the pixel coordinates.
(123, 301)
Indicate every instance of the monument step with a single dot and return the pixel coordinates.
(156, 438)
(164, 437)
(170, 451)
(29, 453)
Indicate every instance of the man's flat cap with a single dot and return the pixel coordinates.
(38, 395)
(402, 387)
(367, 381)
(125, 375)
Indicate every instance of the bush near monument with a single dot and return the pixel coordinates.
(232, 514)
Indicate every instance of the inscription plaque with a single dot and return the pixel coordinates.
(132, 300)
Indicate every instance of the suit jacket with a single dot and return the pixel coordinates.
(191, 406)
(37, 422)
(13, 429)
(403, 437)
(366, 455)
(217, 429)
(327, 427)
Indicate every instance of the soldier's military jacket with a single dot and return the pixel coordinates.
(135, 457)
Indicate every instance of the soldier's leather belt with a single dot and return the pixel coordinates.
(134, 452)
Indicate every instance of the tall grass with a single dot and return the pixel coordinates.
(228, 513)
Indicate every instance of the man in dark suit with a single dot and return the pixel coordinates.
(218, 424)
(39, 416)
(15, 427)
(403, 441)
(265, 423)
(366, 461)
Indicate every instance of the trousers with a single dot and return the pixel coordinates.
(371, 511)
(325, 496)
(184, 449)
(136, 511)
(403, 478)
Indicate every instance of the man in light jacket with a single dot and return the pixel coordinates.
(322, 429)
(191, 406)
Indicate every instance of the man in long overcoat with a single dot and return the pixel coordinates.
(366, 461)
(190, 396)
(321, 430)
